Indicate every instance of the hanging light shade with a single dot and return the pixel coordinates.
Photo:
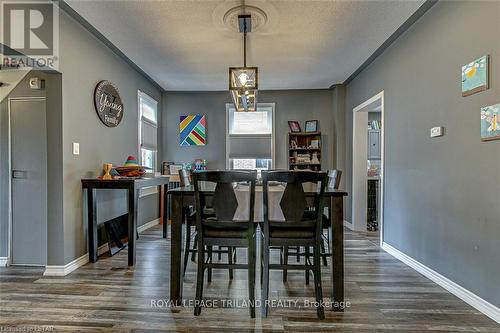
(243, 81)
(243, 85)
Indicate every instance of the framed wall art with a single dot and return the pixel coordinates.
(294, 126)
(475, 76)
(490, 122)
(108, 103)
(311, 126)
(192, 130)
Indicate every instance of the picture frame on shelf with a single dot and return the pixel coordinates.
(174, 168)
(311, 126)
(165, 167)
(294, 126)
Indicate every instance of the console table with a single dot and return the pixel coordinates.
(132, 185)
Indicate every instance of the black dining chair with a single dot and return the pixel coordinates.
(296, 230)
(222, 230)
(189, 214)
(334, 177)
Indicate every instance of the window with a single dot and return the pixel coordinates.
(250, 138)
(149, 110)
(148, 135)
(148, 130)
(258, 122)
(251, 163)
(148, 158)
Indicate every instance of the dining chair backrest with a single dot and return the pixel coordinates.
(223, 199)
(185, 177)
(293, 202)
(334, 179)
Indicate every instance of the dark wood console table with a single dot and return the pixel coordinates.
(132, 186)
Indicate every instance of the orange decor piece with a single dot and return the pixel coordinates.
(131, 168)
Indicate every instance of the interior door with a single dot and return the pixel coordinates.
(29, 181)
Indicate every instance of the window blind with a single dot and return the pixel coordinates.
(250, 134)
(149, 135)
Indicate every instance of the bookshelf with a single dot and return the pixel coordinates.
(304, 151)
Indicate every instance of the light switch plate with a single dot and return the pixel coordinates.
(76, 148)
(437, 131)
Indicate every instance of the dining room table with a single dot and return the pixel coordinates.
(333, 200)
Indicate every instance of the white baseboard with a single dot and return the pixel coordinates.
(64, 270)
(4, 261)
(102, 249)
(348, 225)
(467, 296)
(148, 225)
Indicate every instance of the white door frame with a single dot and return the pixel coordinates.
(357, 177)
(9, 145)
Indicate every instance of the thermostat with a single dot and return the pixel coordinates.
(437, 131)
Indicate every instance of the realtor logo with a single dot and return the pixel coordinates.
(30, 34)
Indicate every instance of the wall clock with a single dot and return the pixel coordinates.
(108, 104)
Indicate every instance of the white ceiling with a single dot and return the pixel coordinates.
(183, 45)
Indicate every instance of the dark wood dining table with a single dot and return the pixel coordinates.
(184, 196)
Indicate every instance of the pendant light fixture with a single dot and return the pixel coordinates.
(243, 81)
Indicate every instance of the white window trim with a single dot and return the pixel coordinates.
(143, 192)
(230, 106)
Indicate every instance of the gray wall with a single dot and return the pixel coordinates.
(298, 105)
(213, 105)
(4, 180)
(55, 218)
(21, 89)
(441, 204)
(339, 152)
(84, 61)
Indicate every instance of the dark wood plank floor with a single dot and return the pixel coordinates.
(384, 295)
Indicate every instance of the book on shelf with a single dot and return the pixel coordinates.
(374, 124)
(304, 151)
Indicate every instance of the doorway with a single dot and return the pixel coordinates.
(28, 181)
(368, 164)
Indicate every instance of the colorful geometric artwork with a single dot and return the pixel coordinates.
(475, 76)
(192, 130)
(490, 122)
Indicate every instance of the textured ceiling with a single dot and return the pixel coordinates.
(184, 45)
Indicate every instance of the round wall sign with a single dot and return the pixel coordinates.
(108, 104)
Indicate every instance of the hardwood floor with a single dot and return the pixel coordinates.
(384, 295)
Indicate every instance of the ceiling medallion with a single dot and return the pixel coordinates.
(264, 16)
(257, 16)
